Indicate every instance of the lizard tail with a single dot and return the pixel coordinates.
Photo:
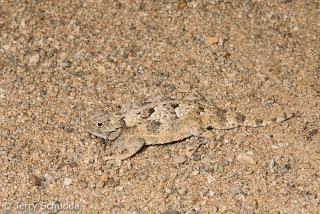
(260, 122)
(233, 120)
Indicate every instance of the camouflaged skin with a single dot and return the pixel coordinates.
(165, 122)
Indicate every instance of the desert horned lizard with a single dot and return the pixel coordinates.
(165, 122)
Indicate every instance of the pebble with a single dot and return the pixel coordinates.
(170, 211)
(206, 160)
(250, 204)
(210, 179)
(34, 59)
(67, 181)
(272, 163)
(230, 158)
(285, 168)
(211, 40)
(86, 160)
(100, 184)
(36, 181)
(184, 88)
(243, 158)
(222, 6)
(65, 64)
(180, 159)
(182, 191)
(182, 4)
(221, 168)
(194, 173)
(6, 47)
(92, 184)
(211, 193)
(221, 42)
(35, 157)
(268, 136)
(48, 177)
(235, 190)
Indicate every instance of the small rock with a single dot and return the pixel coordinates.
(48, 177)
(167, 190)
(224, 162)
(221, 169)
(312, 133)
(222, 6)
(210, 40)
(182, 191)
(268, 136)
(168, 87)
(68, 129)
(185, 88)
(221, 42)
(243, 158)
(285, 1)
(211, 193)
(159, 74)
(34, 59)
(120, 206)
(196, 157)
(31, 88)
(6, 47)
(73, 164)
(86, 160)
(36, 181)
(113, 183)
(92, 184)
(63, 56)
(67, 181)
(264, 164)
(180, 159)
(285, 168)
(250, 204)
(285, 126)
(101, 69)
(182, 4)
(206, 161)
(272, 163)
(104, 177)
(170, 211)
(35, 157)
(230, 158)
(63, 94)
(210, 179)
(214, 209)
(194, 173)
(65, 64)
(235, 190)
(100, 184)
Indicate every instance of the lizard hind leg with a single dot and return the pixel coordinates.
(205, 137)
(131, 146)
(196, 142)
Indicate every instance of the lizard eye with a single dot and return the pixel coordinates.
(99, 124)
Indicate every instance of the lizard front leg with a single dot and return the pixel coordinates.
(131, 145)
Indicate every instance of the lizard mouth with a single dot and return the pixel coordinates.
(107, 135)
(97, 134)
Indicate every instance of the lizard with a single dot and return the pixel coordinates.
(165, 122)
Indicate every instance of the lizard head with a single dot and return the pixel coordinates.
(104, 125)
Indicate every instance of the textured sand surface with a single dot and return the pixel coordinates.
(60, 60)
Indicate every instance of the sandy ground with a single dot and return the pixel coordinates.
(61, 60)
